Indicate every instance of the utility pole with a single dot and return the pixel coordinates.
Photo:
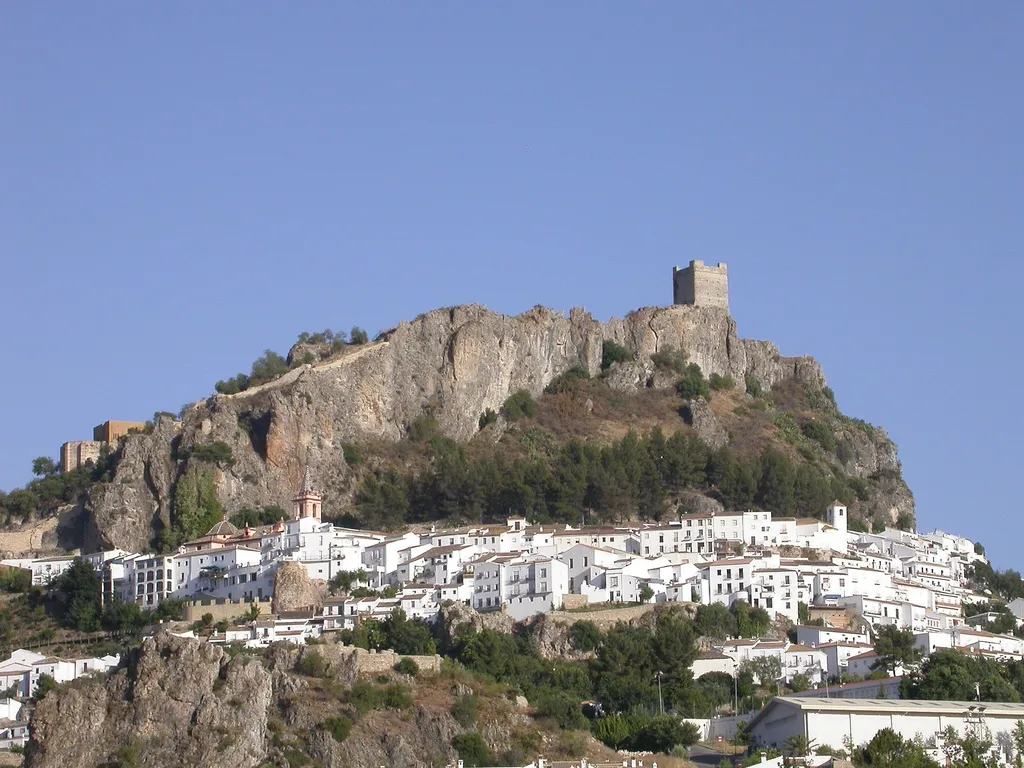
(661, 702)
(735, 689)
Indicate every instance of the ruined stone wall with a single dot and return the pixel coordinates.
(377, 662)
(76, 453)
(222, 610)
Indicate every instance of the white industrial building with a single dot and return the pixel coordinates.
(832, 722)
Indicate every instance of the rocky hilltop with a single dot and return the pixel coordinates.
(184, 702)
(453, 364)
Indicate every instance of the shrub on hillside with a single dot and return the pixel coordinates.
(466, 710)
(217, 452)
(584, 636)
(423, 428)
(520, 405)
(366, 697)
(719, 382)
(753, 386)
(407, 667)
(693, 384)
(312, 664)
(613, 352)
(821, 433)
(670, 359)
(338, 726)
(566, 381)
(487, 418)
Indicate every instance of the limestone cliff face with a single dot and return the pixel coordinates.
(183, 702)
(176, 702)
(453, 363)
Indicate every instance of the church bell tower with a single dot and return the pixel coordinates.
(307, 503)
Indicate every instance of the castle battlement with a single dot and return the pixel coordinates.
(701, 286)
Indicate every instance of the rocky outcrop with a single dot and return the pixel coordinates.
(126, 512)
(176, 702)
(698, 414)
(454, 364)
(184, 702)
(294, 590)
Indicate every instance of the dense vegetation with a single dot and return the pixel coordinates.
(545, 469)
(638, 475)
(75, 599)
(51, 488)
(952, 676)
(270, 365)
(637, 673)
(1006, 585)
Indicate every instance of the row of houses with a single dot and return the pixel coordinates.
(909, 580)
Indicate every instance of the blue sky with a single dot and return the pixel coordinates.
(183, 186)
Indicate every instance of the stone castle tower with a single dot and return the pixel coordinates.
(307, 503)
(701, 286)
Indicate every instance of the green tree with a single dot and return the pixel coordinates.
(358, 336)
(968, 751)
(693, 384)
(253, 614)
(821, 433)
(613, 730)
(122, 616)
(584, 636)
(78, 589)
(949, 675)
(217, 452)
(343, 581)
(753, 386)
(798, 745)
(233, 386)
(613, 352)
(767, 670)
(887, 749)
(1018, 743)
(714, 620)
(473, 749)
(750, 622)
(382, 500)
(663, 734)
(407, 666)
(44, 467)
(267, 367)
(44, 685)
(405, 637)
(895, 648)
(775, 488)
(800, 683)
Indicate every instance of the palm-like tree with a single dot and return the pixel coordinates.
(798, 745)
